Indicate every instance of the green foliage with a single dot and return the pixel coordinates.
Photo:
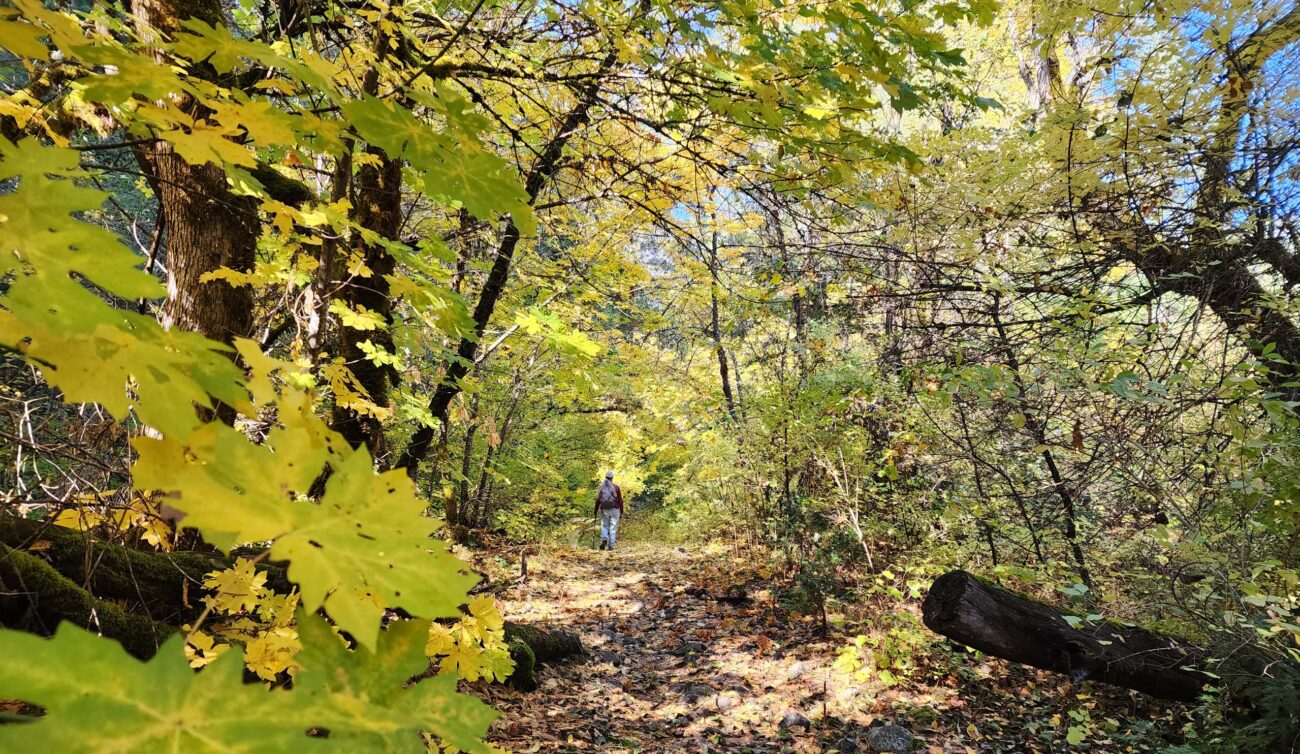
(364, 546)
(779, 267)
(889, 654)
(98, 698)
(134, 365)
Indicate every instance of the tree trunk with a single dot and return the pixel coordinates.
(716, 328)
(35, 597)
(165, 585)
(379, 209)
(208, 227)
(1001, 623)
(547, 645)
(466, 462)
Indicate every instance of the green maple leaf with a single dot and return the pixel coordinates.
(225, 52)
(367, 704)
(132, 74)
(22, 39)
(40, 234)
(265, 123)
(366, 545)
(97, 698)
(92, 351)
(454, 163)
(119, 359)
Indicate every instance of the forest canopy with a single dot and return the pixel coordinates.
(304, 303)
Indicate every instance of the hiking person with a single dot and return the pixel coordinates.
(609, 508)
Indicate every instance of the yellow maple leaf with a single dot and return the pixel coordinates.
(465, 660)
(441, 641)
(78, 518)
(273, 652)
(487, 612)
(237, 588)
(497, 665)
(201, 649)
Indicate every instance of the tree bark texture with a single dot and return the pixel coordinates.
(208, 227)
(1004, 624)
(379, 209)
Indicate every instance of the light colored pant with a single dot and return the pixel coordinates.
(609, 525)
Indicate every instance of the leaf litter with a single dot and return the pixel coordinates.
(679, 662)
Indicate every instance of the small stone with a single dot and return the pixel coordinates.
(722, 702)
(796, 670)
(889, 738)
(847, 745)
(695, 692)
(793, 719)
(689, 648)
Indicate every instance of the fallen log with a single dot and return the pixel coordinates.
(165, 585)
(35, 597)
(1003, 624)
(153, 593)
(547, 645)
(531, 646)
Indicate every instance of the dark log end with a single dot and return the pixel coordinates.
(940, 605)
(546, 645)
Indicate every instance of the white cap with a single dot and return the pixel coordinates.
(609, 475)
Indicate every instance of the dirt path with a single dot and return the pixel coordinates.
(673, 669)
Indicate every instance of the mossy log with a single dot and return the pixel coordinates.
(1003, 624)
(166, 586)
(547, 646)
(36, 597)
(140, 597)
(531, 646)
(524, 676)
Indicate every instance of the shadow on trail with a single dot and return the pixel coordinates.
(671, 668)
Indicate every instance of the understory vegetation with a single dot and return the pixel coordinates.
(318, 318)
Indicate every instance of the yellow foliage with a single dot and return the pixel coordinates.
(474, 647)
(201, 649)
(273, 652)
(238, 589)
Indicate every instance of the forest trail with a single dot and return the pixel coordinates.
(673, 668)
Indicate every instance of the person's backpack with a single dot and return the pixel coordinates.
(608, 497)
